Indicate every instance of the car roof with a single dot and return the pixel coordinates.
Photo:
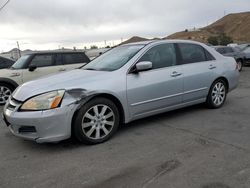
(140, 43)
(55, 52)
(163, 40)
(6, 59)
(217, 47)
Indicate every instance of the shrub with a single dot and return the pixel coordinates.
(221, 39)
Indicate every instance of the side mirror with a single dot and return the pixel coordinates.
(32, 68)
(143, 66)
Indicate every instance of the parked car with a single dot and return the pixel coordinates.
(246, 51)
(242, 47)
(5, 63)
(238, 55)
(128, 82)
(35, 65)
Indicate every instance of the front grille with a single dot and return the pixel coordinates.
(27, 129)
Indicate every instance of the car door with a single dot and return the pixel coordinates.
(158, 88)
(247, 53)
(74, 60)
(198, 65)
(40, 65)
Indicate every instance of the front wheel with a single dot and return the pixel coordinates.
(217, 94)
(5, 92)
(96, 121)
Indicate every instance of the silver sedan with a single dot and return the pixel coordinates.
(128, 82)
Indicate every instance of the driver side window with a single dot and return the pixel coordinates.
(161, 56)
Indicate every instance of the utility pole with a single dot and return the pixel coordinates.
(1, 8)
(18, 47)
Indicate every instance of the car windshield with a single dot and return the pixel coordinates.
(247, 50)
(113, 59)
(242, 47)
(20, 63)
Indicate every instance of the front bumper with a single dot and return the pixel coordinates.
(40, 126)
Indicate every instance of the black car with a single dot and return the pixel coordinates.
(237, 54)
(246, 51)
(5, 63)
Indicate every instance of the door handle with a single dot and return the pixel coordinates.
(212, 67)
(62, 69)
(175, 74)
(15, 74)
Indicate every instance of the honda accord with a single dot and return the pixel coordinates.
(129, 82)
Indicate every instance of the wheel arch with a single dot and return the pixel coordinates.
(103, 95)
(9, 81)
(224, 79)
(240, 59)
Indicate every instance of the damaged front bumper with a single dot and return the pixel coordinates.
(46, 125)
(41, 126)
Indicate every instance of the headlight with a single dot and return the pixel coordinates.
(44, 101)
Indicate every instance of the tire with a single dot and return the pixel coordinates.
(5, 91)
(96, 122)
(217, 94)
(240, 65)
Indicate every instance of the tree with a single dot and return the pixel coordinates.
(93, 47)
(213, 40)
(224, 39)
(221, 39)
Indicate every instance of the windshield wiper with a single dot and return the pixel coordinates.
(90, 69)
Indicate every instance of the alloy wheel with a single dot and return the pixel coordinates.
(5, 92)
(239, 65)
(218, 93)
(98, 122)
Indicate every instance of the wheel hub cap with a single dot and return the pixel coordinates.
(98, 121)
(218, 93)
(4, 94)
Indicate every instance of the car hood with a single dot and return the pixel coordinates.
(5, 72)
(69, 80)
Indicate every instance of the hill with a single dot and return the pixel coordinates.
(134, 39)
(237, 26)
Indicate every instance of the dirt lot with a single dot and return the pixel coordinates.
(190, 148)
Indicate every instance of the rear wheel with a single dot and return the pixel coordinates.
(240, 64)
(96, 121)
(217, 94)
(5, 92)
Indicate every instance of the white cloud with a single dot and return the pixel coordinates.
(49, 23)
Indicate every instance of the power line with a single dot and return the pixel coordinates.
(1, 8)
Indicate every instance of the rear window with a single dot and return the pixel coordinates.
(228, 50)
(192, 53)
(220, 50)
(75, 58)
